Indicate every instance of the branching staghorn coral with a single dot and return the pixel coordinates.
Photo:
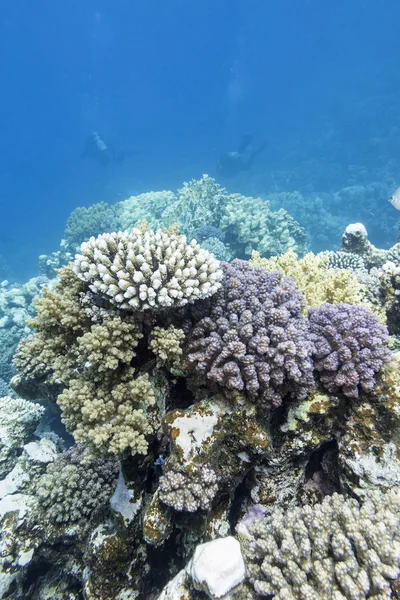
(351, 347)
(252, 338)
(143, 270)
(73, 487)
(338, 549)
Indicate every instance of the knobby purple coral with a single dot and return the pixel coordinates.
(350, 347)
(252, 337)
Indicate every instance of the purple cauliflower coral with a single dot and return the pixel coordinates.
(251, 337)
(350, 347)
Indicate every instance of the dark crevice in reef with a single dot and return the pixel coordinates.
(180, 396)
(37, 573)
(322, 470)
(165, 564)
(240, 499)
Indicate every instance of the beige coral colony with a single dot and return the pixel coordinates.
(200, 407)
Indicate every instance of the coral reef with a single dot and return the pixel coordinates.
(192, 413)
(220, 250)
(16, 307)
(48, 265)
(256, 227)
(189, 491)
(209, 231)
(84, 223)
(18, 420)
(147, 207)
(72, 488)
(344, 260)
(336, 549)
(351, 347)
(252, 338)
(144, 270)
(314, 279)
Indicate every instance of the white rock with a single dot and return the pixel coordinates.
(356, 228)
(217, 566)
(44, 451)
(122, 501)
(14, 480)
(194, 428)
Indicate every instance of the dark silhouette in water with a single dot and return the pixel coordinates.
(103, 153)
(231, 163)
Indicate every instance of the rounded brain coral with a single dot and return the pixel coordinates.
(350, 347)
(142, 269)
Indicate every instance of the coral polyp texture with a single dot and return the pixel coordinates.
(337, 549)
(252, 337)
(72, 488)
(351, 347)
(188, 489)
(143, 270)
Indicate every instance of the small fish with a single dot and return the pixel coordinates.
(395, 198)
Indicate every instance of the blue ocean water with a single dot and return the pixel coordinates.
(175, 84)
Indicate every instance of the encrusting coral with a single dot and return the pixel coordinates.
(350, 347)
(337, 549)
(144, 270)
(252, 337)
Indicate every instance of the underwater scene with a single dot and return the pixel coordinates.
(200, 300)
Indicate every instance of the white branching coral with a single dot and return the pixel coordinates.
(142, 269)
(338, 549)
